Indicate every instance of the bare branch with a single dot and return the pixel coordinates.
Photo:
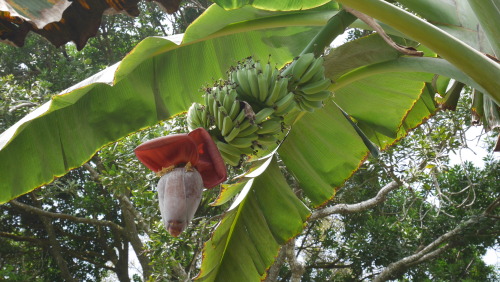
(55, 246)
(66, 216)
(41, 242)
(358, 207)
(87, 256)
(492, 207)
(373, 24)
(329, 265)
(132, 235)
(296, 267)
(274, 271)
(141, 222)
(22, 105)
(180, 272)
(94, 175)
(428, 252)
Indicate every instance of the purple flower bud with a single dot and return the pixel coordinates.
(179, 193)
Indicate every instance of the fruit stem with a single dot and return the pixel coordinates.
(335, 26)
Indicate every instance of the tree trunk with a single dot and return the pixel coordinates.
(121, 267)
(133, 236)
(55, 247)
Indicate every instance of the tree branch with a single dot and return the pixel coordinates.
(133, 236)
(358, 207)
(274, 270)
(329, 265)
(41, 242)
(86, 257)
(141, 222)
(94, 175)
(55, 246)
(427, 252)
(296, 267)
(180, 272)
(66, 216)
(22, 105)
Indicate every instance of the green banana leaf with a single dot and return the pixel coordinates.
(462, 21)
(460, 53)
(161, 78)
(157, 80)
(266, 214)
(271, 5)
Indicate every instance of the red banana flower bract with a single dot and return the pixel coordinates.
(187, 163)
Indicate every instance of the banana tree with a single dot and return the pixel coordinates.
(380, 94)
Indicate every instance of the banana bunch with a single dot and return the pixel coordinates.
(198, 116)
(255, 132)
(228, 113)
(236, 129)
(308, 82)
(262, 86)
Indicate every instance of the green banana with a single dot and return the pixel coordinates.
(200, 111)
(283, 103)
(191, 117)
(279, 90)
(223, 111)
(313, 104)
(245, 124)
(242, 76)
(253, 82)
(239, 119)
(316, 86)
(211, 104)
(220, 116)
(243, 142)
(207, 98)
(309, 106)
(320, 75)
(228, 148)
(249, 130)
(263, 114)
(274, 93)
(263, 87)
(283, 88)
(234, 132)
(230, 159)
(267, 139)
(301, 64)
(287, 109)
(312, 70)
(247, 150)
(219, 93)
(270, 126)
(227, 125)
(268, 72)
(229, 99)
(235, 109)
(305, 108)
(319, 96)
(257, 66)
(204, 117)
